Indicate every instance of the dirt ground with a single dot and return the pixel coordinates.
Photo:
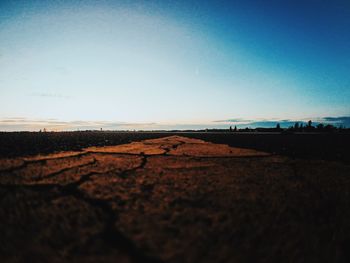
(173, 199)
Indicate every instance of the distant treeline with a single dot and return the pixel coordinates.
(297, 127)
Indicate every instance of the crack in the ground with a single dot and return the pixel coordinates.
(114, 153)
(172, 147)
(54, 174)
(15, 168)
(110, 234)
(168, 154)
(78, 154)
(40, 161)
(125, 173)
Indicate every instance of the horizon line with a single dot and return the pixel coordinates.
(26, 124)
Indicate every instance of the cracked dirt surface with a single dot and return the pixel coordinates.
(173, 199)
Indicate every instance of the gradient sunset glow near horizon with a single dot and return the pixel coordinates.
(172, 64)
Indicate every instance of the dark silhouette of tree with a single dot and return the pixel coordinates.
(296, 126)
(309, 126)
(230, 128)
(329, 128)
(320, 126)
(278, 127)
(235, 129)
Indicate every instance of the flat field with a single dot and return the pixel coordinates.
(174, 197)
(321, 146)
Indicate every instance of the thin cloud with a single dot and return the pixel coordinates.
(23, 124)
(49, 95)
(234, 120)
(342, 119)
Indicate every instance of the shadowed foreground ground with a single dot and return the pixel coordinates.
(173, 199)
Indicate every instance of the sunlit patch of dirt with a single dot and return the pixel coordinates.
(209, 150)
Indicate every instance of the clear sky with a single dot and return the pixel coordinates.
(171, 63)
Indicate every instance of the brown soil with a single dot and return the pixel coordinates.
(173, 199)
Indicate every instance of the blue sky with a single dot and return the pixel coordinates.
(154, 64)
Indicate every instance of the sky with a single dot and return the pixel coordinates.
(172, 64)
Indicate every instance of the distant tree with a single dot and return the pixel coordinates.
(235, 129)
(230, 128)
(296, 126)
(329, 128)
(278, 126)
(44, 129)
(309, 123)
(320, 126)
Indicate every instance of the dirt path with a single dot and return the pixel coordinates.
(173, 199)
